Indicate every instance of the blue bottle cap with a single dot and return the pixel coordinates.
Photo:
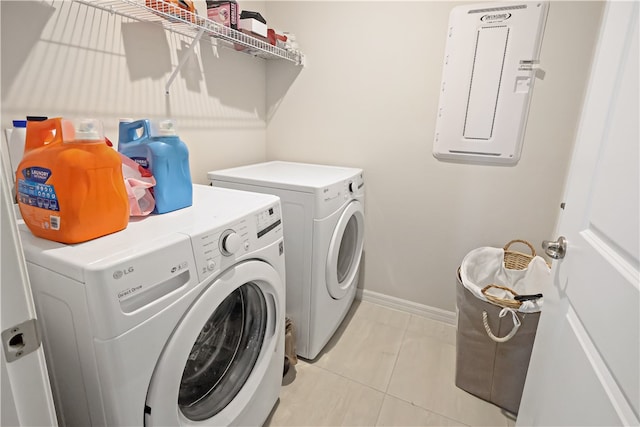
(19, 123)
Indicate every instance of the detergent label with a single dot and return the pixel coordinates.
(33, 190)
(142, 161)
(37, 174)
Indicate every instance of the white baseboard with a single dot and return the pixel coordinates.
(433, 313)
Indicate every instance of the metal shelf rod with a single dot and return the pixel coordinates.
(184, 59)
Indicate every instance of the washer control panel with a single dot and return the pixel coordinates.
(268, 220)
(229, 242)
(218, 249)
(211, 247)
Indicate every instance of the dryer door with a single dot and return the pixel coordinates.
(217, 356)
(345, 251)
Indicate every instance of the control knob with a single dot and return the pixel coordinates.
(230, 242)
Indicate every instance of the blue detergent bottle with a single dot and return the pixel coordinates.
(157, 147)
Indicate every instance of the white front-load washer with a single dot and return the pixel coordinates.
(176, 320)
(323, 217)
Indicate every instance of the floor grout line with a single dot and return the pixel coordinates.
(395, 362)
(348, 378)
(429, 410)
(436, 334)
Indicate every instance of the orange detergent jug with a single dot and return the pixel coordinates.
(69, 183)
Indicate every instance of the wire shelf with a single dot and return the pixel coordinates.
(183, 22)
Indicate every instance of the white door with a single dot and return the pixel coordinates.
(26, 393)
(585, 365)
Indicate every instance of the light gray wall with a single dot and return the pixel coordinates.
(89, 63)
(368, 98)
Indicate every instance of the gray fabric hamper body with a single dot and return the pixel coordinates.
(492, 371)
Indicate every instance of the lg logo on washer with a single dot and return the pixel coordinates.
(118, 274)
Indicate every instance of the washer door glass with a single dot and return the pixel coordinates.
(224, 354)
(345, 251)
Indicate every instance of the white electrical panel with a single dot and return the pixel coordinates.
(488, 73)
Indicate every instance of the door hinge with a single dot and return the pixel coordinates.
(20, 340)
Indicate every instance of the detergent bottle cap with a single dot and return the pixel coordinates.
(36, 118)
(89, 130)
(163, 128)
(19, 123)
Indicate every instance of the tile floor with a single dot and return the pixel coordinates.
(383, 367)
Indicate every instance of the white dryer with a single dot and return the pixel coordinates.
(323, 216)
(176, 320)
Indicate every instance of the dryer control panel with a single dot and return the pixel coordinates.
(355, 185)
(330, 198)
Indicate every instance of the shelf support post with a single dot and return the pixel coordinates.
(184, 59)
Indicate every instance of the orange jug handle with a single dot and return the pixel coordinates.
(42, 133)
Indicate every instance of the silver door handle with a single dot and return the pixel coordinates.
(557, 249)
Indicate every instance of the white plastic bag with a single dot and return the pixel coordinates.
(138, 181)
(485, 266)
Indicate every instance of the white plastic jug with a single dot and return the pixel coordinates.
(16, 143)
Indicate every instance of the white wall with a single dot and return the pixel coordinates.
(368, 98)
(89, 63)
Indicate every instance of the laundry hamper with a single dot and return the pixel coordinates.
(492, 353)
